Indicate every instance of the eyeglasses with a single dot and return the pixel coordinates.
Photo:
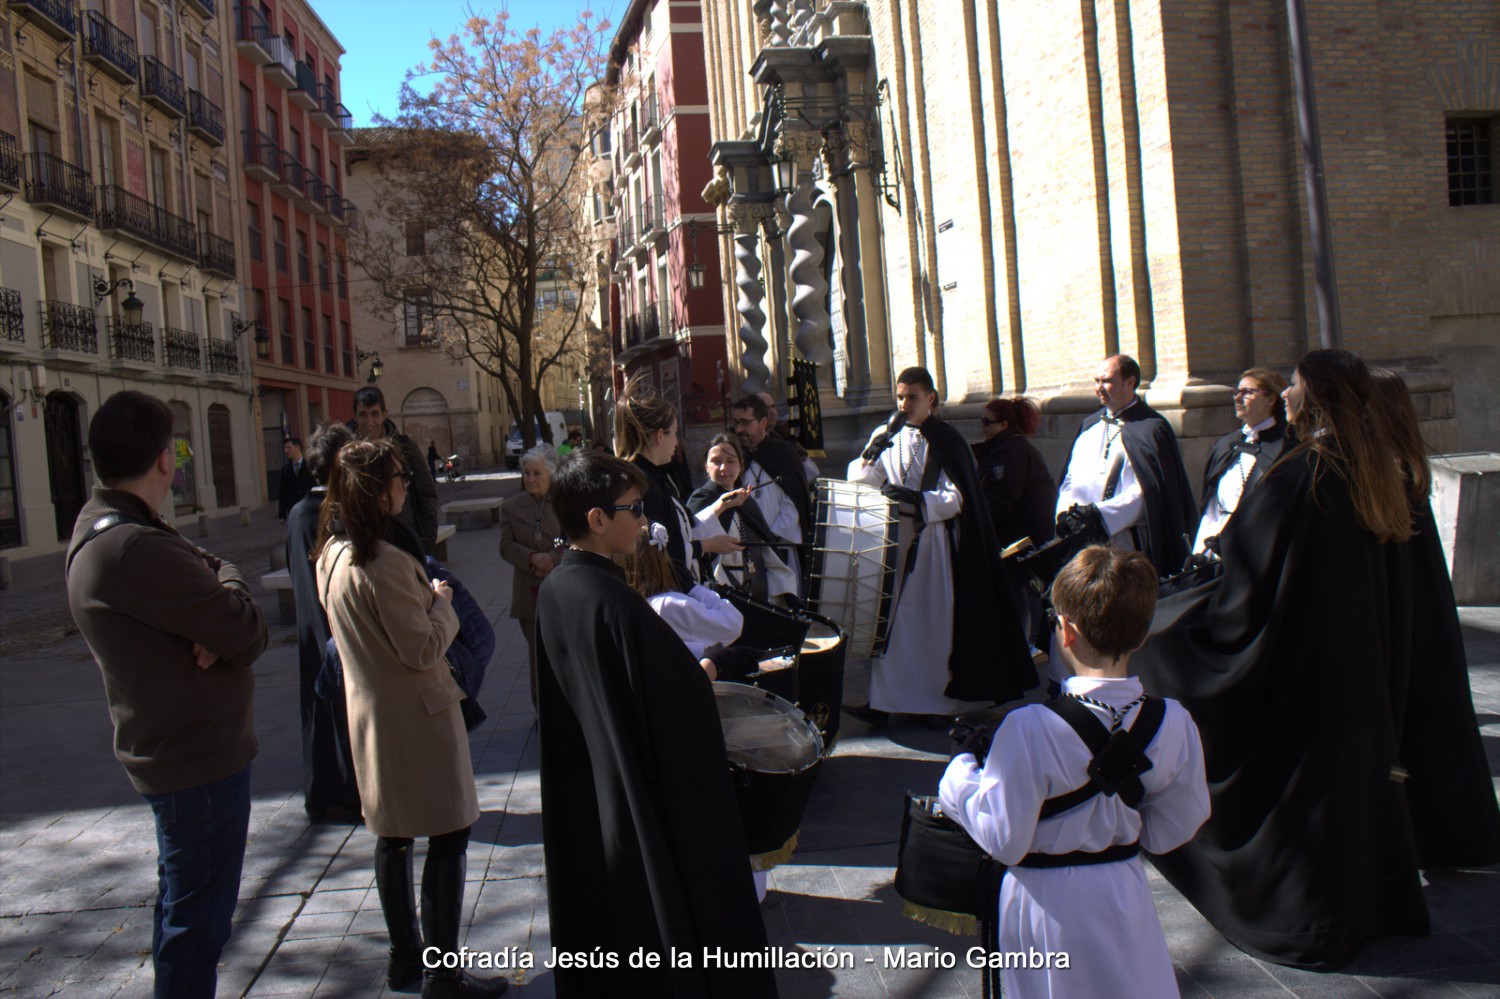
(404, 475)
(637, 509)
(985, 421)
(1241, 393)
(738, 423)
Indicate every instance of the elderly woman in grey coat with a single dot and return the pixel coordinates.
(411, 752)
(528, 534)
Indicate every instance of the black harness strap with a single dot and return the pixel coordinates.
(1080, 858)
(1096, 736)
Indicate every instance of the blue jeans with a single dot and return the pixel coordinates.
(200, 844)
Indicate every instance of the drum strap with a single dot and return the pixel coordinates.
(1119, 757)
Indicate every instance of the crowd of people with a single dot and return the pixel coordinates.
(1288, 730)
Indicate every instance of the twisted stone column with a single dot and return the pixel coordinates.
(801, 12)
(781, 29)
(746, 220)
(810, 287)
(836, 155)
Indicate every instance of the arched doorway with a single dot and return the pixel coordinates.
(10, 507)
(221, 455)
(425, 419)
(64, 460)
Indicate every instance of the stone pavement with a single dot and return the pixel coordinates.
(77, 844)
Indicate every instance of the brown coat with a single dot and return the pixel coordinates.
(411, 753)
(527, 525)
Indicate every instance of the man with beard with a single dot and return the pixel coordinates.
(775, 473)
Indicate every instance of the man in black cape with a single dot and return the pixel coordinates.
(1125, 461)
(989, 660)
(779, 476)
(640, 827)
(1294, 664)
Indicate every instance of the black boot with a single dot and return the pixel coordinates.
(442, 909)
(398, 901)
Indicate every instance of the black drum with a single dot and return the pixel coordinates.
(820, 675)
(774, 754)
(778, 633)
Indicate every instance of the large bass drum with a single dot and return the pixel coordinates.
(774, 754)
(854, 563)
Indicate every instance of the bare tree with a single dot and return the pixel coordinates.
(483, 182)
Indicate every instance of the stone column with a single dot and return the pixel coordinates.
(837, 155)
(746, 219)
(810, 287)
(800, 12)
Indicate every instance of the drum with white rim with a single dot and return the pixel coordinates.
(854, 562)
(774, 754)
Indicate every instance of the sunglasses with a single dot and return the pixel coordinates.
(637, 509)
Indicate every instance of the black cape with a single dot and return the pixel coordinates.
(755, 522)
(990, 659)
(1226, 452)
(1171, 514)
(327, 756)
(640, 827)
(781, 460)
(664, 496)
(1294, 664)
(1018, 488)
(1453, 809)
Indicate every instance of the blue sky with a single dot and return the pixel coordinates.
(385, 38)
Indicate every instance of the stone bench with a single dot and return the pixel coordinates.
(473, 514)
(440, 550)
(280, 582)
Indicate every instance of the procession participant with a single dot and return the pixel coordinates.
(640, 826)
(329, 789)
(175, 632)
(646, 430)
(1242, 456)
(779, 429)
(1292, 665)
(1126, 463)
(1451, 795)
(528, 536)
(1074, 881)
(775, 471)
(722, 506)
(420, 512)
(952, 644)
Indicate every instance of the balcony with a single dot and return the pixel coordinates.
(343, 131)
(216, 255)
(131, 343)
(205, 119)
(162, 88)
(223, 357)
(314, 195)
(66, 326)
(650, 122)
(179, 349)
(653, 222)
(205, 7)
(288, 182)
(12, 319)
(325, 114)
(281, 63)
(58, 18)
(121, 211)
(57, 184)
(306, 94)
(630, 149)
(108, 48)
(252, 35)
(343, 210)
(10, 163)
(262, 156)
(641, 327)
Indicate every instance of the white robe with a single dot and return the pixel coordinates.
(1101, 915)
(1228, 490)
(1088, 474)
(779, 511)
(700, 617)
(913, 673)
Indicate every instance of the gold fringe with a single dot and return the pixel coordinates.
(766, 861)
(954, 922)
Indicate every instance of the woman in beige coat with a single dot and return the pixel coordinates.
(528, 535)
(411, 753)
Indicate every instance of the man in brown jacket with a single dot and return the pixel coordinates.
(174, 632)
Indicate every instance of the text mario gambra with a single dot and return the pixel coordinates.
(718, 958)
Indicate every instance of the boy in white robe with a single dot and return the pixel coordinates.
(1096, 910)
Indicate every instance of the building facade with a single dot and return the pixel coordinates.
(667, 328)
(1006, 193)
(118, 256)
(292, 130)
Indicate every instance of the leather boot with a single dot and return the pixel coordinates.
(398, 902)
(442, 910)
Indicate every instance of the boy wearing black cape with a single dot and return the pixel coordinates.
(640, 828)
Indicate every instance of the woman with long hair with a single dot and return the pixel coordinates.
(1453, 809)
(411, 752)
(646, 434)
(1242, 456)
(1294, 664)
(719, 507)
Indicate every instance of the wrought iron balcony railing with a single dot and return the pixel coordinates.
(282, 69)
(205, 118)
(206, 7)
(290, 179)
(179, 348)
(59, 18)
(326, 113)
(12, 319)
(131, 343)
(305, 95)
(107, 46)
(216, 255)
(262, 155)
(58, 184)
(251, 33)
(223, 357)
(641, 327)
(10, 163)
(66, 326)
(161, 87)
(125, 212)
